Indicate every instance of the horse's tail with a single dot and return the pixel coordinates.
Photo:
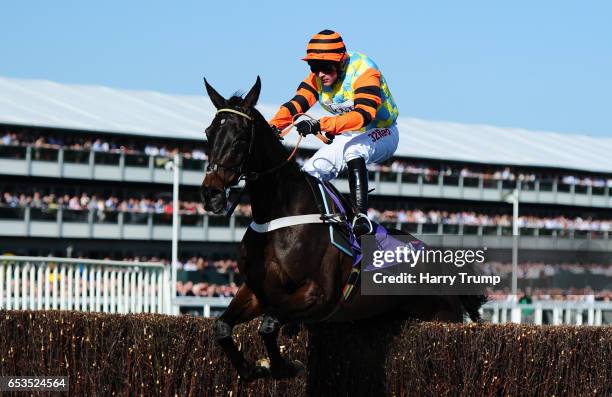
(471, 304)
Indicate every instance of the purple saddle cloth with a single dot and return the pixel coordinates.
(384, 240)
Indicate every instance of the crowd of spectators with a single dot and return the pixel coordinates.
(543, 281)
(557, 294)
(102, 206)
(430, 172)
(108, 145)
(472, 218)
(544, 270)
(201, 276)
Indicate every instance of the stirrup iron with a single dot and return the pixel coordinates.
(360, 215)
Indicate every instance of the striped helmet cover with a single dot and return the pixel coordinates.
(326, 45)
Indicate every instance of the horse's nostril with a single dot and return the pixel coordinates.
(211, 194)
(214, 200)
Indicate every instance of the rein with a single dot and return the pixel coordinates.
(286, 130)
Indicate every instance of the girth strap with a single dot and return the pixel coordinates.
(286, 222)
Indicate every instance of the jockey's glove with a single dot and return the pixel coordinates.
(308, 126)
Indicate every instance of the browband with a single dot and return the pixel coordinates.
(228, 110)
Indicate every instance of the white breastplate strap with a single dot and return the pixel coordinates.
(286, 222)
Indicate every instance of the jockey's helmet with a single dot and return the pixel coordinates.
(326, 45)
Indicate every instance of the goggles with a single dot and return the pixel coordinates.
(322, 66)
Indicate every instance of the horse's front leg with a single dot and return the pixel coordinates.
(288, 307)
(279, 366)
(244, 307)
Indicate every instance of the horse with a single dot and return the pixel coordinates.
(291, 275)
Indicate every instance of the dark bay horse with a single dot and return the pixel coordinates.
(292, 274)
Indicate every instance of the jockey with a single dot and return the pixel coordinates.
(363, 131)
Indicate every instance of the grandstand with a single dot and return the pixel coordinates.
(83, 173)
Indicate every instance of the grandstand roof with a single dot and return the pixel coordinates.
(97, 108)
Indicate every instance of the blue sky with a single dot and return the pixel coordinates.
(531, 64)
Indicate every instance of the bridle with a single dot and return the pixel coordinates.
(213, 167)
(240, 169)
(242, 173)
(253, 175)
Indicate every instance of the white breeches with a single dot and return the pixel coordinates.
(374, 146)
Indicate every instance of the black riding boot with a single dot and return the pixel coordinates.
(358, 183)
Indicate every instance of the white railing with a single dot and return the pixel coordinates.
(544, 312)
(549, 312)
(44, 283)
(206, 304)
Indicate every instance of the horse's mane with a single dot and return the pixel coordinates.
(236, 99)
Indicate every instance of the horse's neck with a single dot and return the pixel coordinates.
(284, 192)
(277, 196)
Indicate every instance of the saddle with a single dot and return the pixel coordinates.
(338, 212)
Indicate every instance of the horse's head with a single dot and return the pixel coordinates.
(230, 143)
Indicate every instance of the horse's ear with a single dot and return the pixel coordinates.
(214, 96)
(251, 98)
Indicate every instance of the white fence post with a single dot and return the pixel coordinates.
(9, 293)
(39, 287)
(2, 288)
(70, 287)
(133, 296)
(25, 271)
(55, 287)
(556, 316)
(91, 292)
(168, 292)
(32, 303)
(590, 316)
(537, 316)
(105, 290)
(139, 291)
(62, 287)
(145, 291)
(98, 288)
(16, 300)
(121, 291)
(159, 285)
(47, 288)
